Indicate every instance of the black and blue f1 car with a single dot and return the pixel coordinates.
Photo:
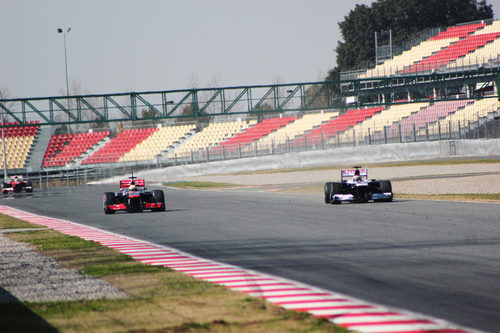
(356, 187)
(133, 198)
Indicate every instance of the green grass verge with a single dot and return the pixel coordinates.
(160, 299)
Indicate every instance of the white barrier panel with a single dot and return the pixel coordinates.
(358, 155)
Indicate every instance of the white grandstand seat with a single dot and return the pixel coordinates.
(296, 128)
(209, 136)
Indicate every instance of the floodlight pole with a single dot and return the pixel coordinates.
(61, 31)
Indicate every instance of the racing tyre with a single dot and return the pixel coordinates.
(336, 189)
(28, 183)
(109, 199)
(386, 186)
(333, 188)
(159, 197)
(328, 192)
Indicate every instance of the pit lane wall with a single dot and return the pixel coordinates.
(345, 156)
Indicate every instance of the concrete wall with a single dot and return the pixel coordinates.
(397, 152)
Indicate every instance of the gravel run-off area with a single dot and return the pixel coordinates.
(25, 275)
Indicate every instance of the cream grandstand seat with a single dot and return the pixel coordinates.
(481, 55)
(479, 109)
(472, 112)
(157, 142)
(210, 136)
(407, 58)
(493, 27)
(298, 127)
(382, 119)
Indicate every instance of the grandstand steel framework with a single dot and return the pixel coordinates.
(155, 105)
(194, 104)
(463, 84)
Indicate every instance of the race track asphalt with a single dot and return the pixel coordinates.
(433, 257)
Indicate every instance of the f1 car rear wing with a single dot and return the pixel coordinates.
(350, 173)
(127, 182)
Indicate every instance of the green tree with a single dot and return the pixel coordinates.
(404, 18)
(188, 111)
(148, 116)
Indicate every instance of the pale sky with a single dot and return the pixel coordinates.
(153, 45)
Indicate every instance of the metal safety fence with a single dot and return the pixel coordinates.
(443, 130)
(481, 128)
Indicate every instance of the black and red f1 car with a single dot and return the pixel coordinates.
(356, 187)
(17, 184)
(133, 198)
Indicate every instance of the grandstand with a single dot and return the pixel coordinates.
(158, 142)
(255, 133)
(395, 114)
(19, 139)
(297, 128)
(336, 126)
(446, 87)
(65, 148)
(464, 45)
(123, 143)
(209, 136)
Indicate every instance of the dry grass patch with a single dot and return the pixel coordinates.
(199, 185)
(476, 197)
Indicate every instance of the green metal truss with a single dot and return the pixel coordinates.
(243, 101)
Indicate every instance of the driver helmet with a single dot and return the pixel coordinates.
(132, 186)
(357, 176)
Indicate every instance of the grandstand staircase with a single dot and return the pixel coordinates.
(33, 162)
(77, 162)
(164, 153)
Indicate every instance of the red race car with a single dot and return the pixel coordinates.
(17, 184)
(133, 198)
